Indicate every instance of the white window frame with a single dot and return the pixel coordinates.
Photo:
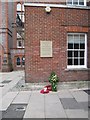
(24, 61)
(76, 4)
(23, 44)
(18, 44)
(19, 7)
(85, 57)
(20, 62)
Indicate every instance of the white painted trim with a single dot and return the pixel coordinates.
(76, 66)
(55, 5)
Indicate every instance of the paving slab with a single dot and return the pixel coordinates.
(6, 100)
(80, 96)
(84, 105)
(14, 77)
(70, 103)
(15, 111)
(76, 113)
(22, 98)
(35, 108)
(52, 97)
(65, 94)
(53, 107)
(10, 85)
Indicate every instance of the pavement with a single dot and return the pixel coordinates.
(23, 101)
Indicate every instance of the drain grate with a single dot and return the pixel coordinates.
(6, 81)
(20, 109)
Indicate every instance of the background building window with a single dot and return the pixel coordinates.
(19, 7)
(20, 11)
(18, 61)
(76, 2)
(19, 43)
(77, 50)
(23, 61)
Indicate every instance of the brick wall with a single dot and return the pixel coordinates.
(54, 27)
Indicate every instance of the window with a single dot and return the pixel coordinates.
(18, 61)
(23, 18)
(18, 7)
(23, 61)
(19, 43)
(77, 2)
(20, 11)
(77, 50)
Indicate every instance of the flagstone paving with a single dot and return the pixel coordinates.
(65, 104)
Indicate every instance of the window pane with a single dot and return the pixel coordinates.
(82, 38)
(76, 39)
(70, 38)
(75, 53)
(81, 2)
(18, 35)
(18, 7)
(82, 61)
(82, 46)
(69, 61)
(69, 1)
(75, 61)
(75, 2)
(76, 46)
(18, 61)
(19, 15)
(70, 53)
(23, 18)
(70, 46)
(81, 53)
(23, 60)
(19, 43)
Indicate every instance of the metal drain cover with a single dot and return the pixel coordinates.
(20, 109)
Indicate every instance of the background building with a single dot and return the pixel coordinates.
(11, 36)
(57, 38)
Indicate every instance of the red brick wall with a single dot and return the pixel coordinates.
(54, 27)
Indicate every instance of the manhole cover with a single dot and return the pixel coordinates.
(20, 109)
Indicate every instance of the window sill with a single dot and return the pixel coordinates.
(77, 69)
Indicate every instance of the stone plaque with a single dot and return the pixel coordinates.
(45, 48)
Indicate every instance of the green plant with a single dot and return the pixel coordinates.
(53, 79)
